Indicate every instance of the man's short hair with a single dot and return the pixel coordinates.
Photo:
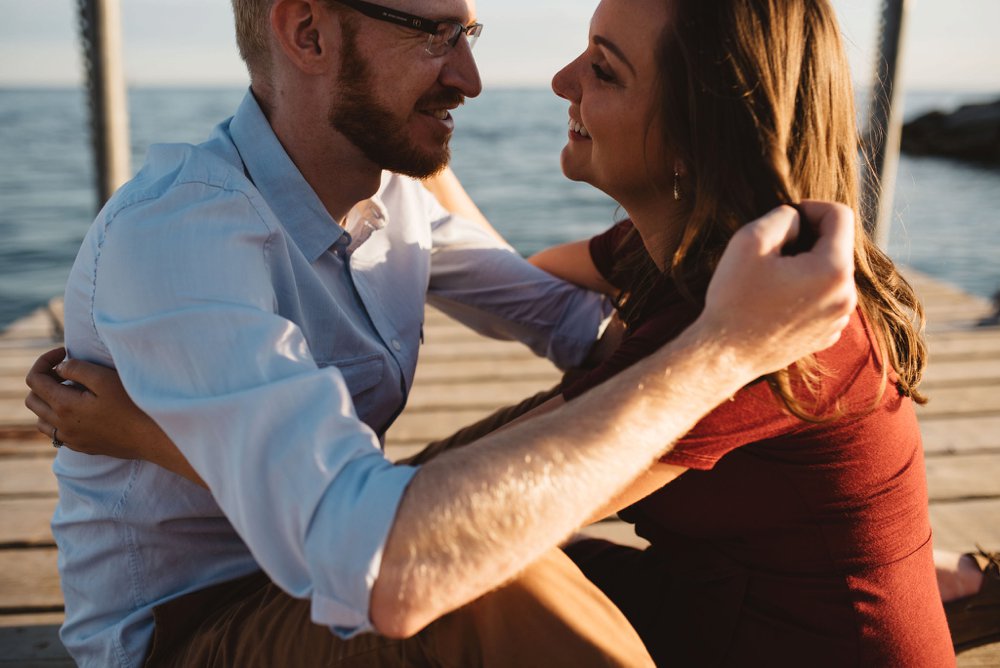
(252, 29)
(252, 20)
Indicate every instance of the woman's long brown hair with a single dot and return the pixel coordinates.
(757, 104)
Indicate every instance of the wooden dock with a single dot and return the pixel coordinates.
(462, 377)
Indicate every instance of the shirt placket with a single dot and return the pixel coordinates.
(371, 220)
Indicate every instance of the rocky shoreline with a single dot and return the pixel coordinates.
(971, 132)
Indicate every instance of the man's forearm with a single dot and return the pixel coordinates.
(475, 517)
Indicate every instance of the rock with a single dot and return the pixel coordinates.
(972, 132)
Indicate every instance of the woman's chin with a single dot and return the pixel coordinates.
(572, 171)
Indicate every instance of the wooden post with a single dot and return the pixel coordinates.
(100, 30)
(885, 122)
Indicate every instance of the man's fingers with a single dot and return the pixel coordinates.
(835, 224)
(776, 228)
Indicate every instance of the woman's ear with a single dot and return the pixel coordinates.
(301, 29)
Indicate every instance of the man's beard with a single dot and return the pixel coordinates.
(371, 127)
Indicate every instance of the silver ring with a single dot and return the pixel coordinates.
(56, 443)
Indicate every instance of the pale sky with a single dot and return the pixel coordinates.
(952, 44)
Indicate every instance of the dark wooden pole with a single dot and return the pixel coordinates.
(885, 122)
(100, 32)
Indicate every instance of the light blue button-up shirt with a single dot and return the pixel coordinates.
(275, 348)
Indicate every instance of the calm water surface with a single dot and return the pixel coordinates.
(506, 150)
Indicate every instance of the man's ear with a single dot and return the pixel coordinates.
(301, 29)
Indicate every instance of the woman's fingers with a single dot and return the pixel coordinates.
(46, 416)
(39, 407)
(48, 388)
(43, 366)
(94, 377)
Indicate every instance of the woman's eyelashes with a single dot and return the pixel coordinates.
(602, 74)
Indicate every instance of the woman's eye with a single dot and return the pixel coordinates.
(601, 74)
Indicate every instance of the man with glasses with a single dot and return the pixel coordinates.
(261, 296)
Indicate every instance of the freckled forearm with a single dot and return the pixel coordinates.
(475, 517)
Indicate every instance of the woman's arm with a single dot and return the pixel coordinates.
(96, 416)
(572, 263)
(450, 194)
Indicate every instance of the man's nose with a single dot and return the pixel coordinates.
(460, 70)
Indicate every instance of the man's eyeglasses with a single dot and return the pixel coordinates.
(442, 35)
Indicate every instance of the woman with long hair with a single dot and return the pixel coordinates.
(790, 527)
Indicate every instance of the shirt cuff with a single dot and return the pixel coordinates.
(581, 324)
(361, 507)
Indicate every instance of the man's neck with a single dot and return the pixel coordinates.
(339, 174)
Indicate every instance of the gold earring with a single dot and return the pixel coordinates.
(677, 186)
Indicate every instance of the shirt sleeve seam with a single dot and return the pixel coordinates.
(147, 196)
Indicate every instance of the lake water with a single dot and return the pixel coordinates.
(506, 150)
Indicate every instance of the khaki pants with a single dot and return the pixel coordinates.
(549, 616)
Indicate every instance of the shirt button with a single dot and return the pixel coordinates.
(397, 346)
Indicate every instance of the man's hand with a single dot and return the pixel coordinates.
(771, 309)
(477, 515)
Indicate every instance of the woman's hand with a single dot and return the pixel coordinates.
(94, 415)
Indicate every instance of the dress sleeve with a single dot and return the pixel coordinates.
(755, 414)
(184, 303)
(606, 247)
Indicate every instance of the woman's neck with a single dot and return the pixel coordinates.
(659, 223)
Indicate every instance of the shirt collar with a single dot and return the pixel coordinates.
(279, 181)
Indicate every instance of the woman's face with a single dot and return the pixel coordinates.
(615, 142)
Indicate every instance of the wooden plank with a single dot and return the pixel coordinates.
(969, 344)
(526, 368)
(28, 444)
(25, 522)
(952, 373)
(471, 349)
(15, 362)
(963, 477)
(13, 412)
(26, 477)
(29, 580)
(39, 326)
(395, 451)
(961, 525)
(616, 531)
(28, 641)
(985, 656)
(465, 395)
(960, 434)
(425, 426)
(967, 399)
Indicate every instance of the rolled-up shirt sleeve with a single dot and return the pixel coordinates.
(185, 305)
(488, 286)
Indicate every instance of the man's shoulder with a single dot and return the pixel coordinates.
(186, 175)
(182, 187)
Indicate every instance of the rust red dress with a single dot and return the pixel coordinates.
(787, 543)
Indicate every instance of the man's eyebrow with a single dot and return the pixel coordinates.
(613, 48)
